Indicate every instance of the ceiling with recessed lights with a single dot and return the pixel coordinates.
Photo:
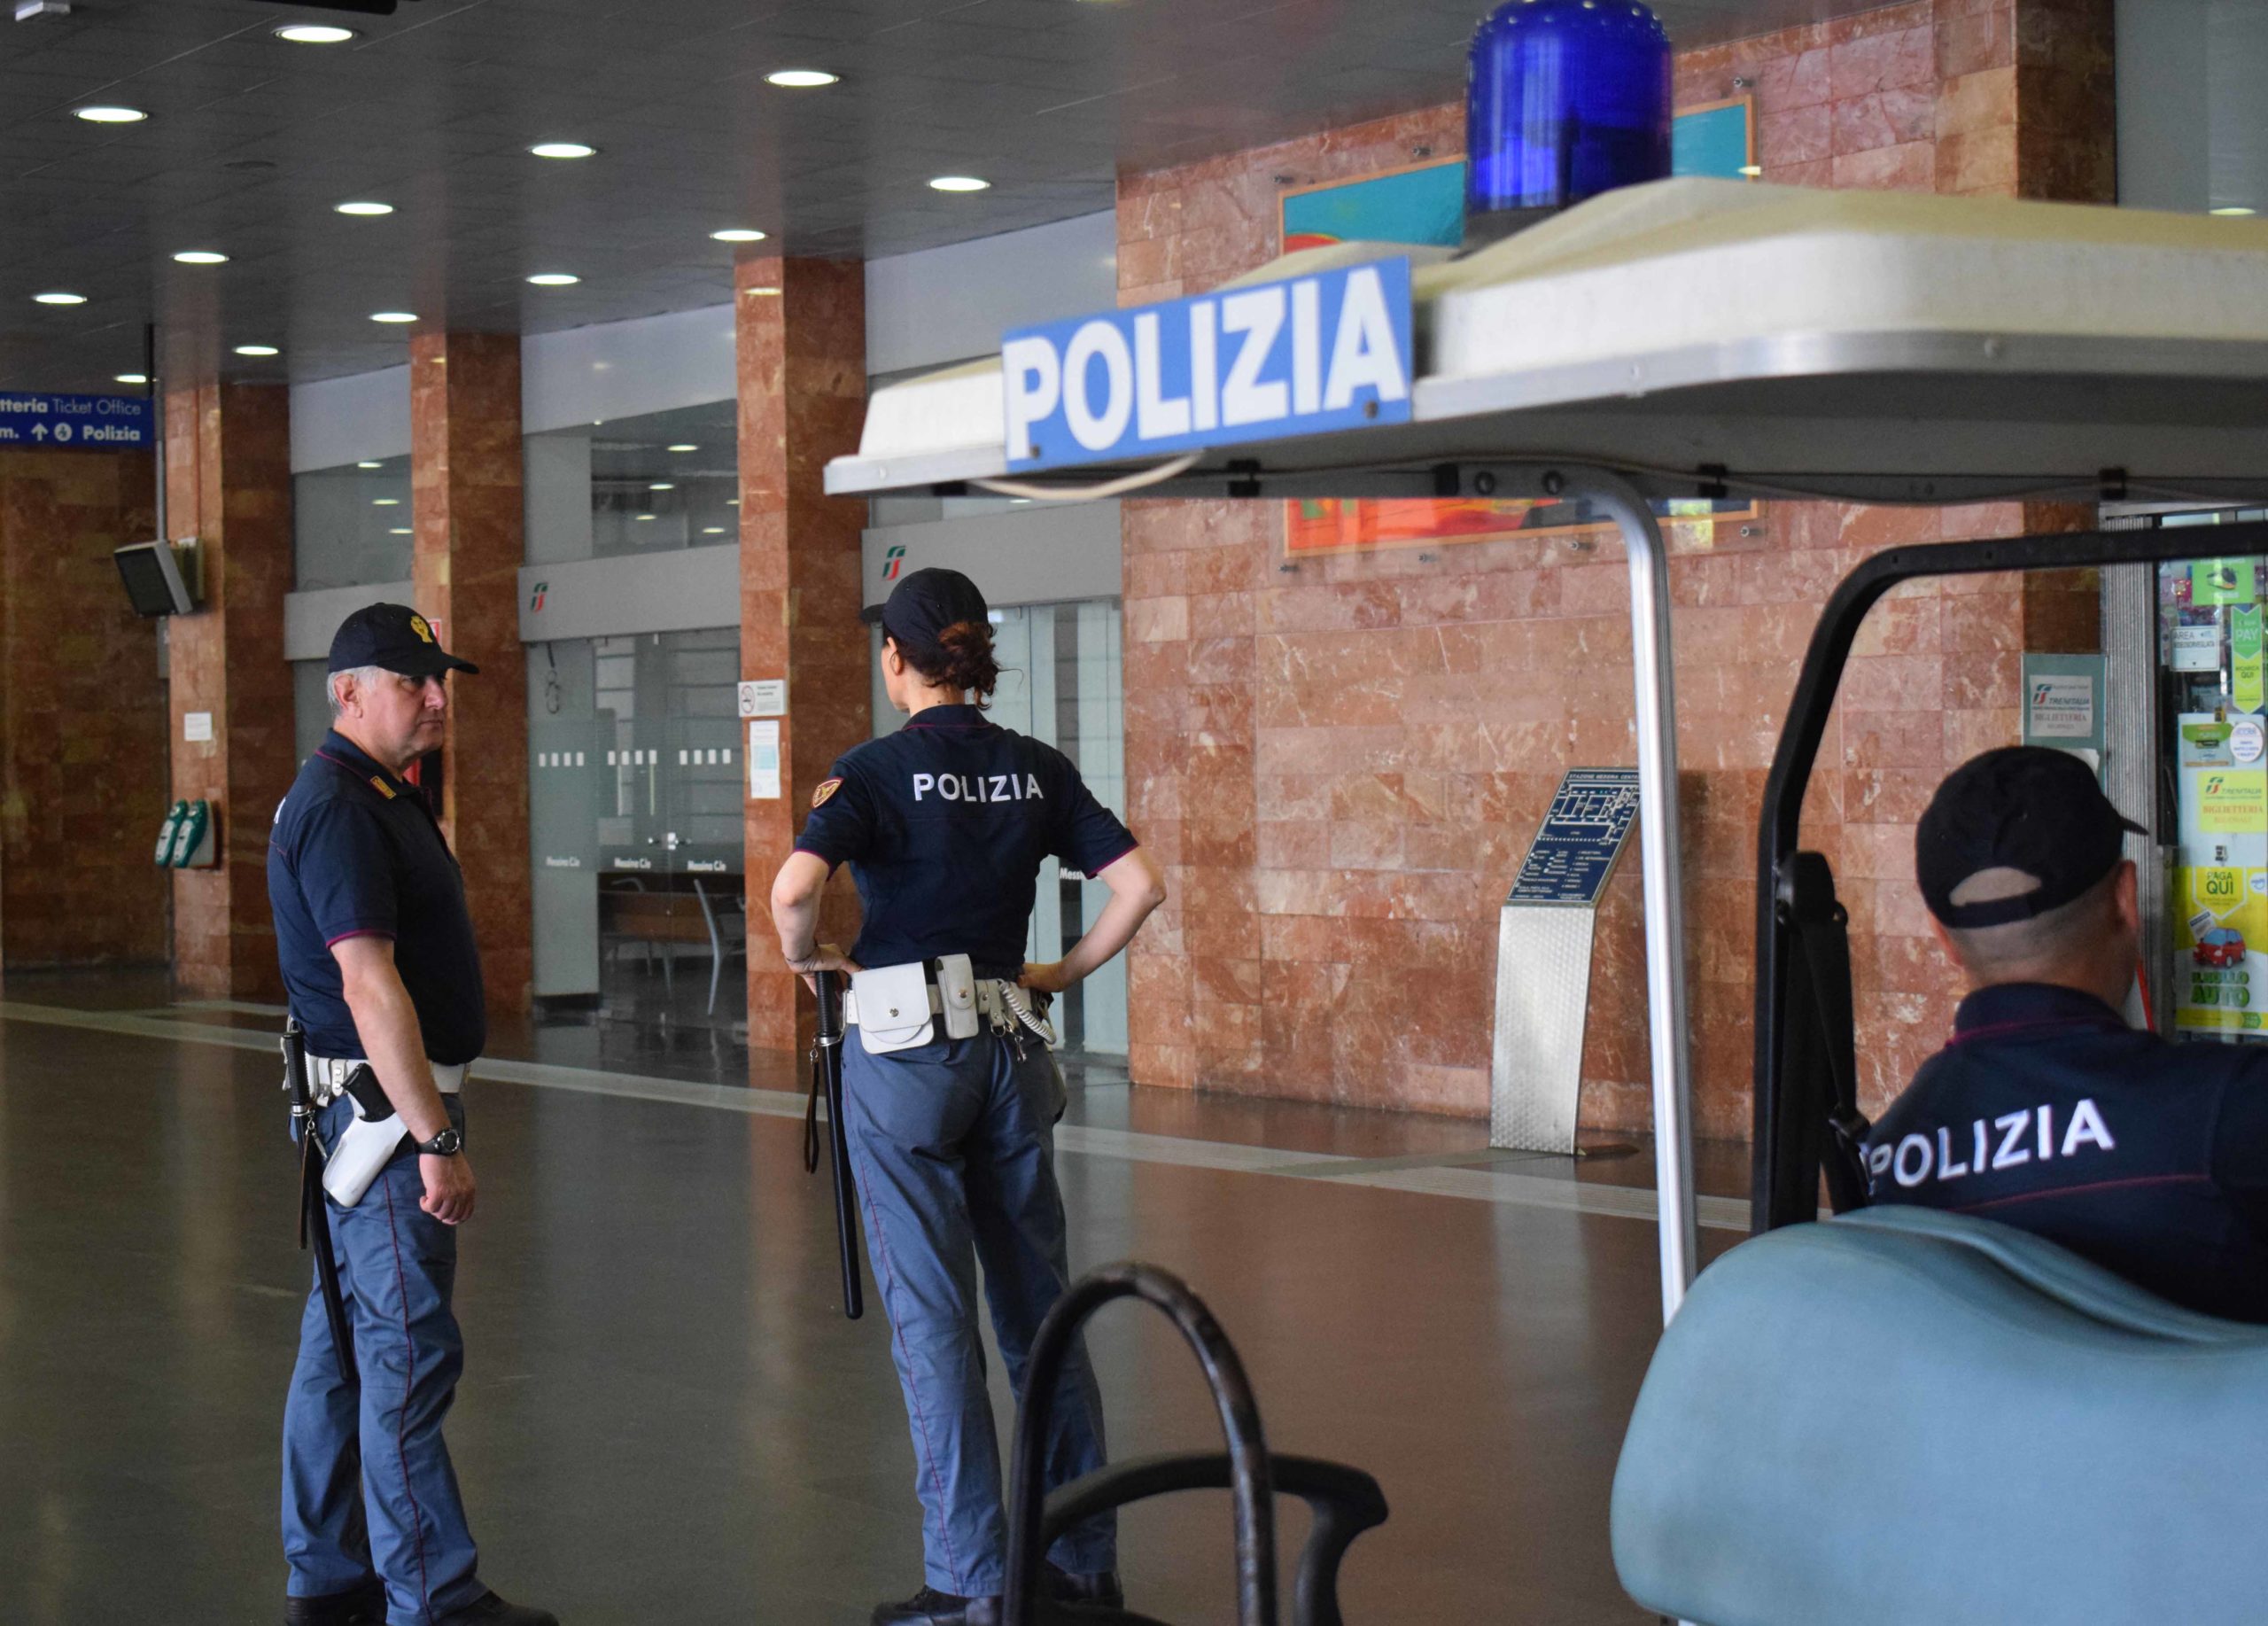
(251, 143)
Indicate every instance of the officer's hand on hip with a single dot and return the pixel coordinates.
(826, 957)
(1045, 978)
(449, 1187)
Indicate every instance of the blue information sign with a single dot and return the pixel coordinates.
(1323, 352)
(105, 423)
(1589, 820)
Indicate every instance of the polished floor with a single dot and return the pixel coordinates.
(665, 1418)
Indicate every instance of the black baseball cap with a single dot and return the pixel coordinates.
(2024, 808)
(393, 636)
(924, 604)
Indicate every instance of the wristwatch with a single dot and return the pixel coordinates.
(448, 1143)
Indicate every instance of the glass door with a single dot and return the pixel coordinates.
(2214, 722)
(635, 812)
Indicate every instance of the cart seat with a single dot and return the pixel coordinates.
(1904, 1415)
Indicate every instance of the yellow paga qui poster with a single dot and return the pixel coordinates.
(2220, 932)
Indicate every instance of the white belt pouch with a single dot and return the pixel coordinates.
(895, 1006)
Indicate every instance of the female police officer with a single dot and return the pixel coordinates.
(945, 825)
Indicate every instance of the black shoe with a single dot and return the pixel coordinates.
(931, 1607)
(1100, 1588)
(488, 1609)
(365, 1605)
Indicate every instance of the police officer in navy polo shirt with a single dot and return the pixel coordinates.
(2046, 1111)
(379, 963)
(945, 825)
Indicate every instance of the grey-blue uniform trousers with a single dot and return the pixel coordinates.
(368, 1486)
(945, 825)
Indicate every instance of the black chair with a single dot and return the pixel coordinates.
(1345, 1501)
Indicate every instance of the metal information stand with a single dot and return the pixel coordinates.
(1543, 960)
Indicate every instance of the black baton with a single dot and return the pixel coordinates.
(826, 1076)
(315, 1223)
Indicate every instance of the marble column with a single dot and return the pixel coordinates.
(229, 484)
(802, 392)
(466, 485)
(83, 770)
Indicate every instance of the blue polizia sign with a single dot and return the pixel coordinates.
(1329, 351)
(109, 422)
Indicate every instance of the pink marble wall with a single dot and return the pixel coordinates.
(229, 484)
(802, 393)
(465, 492)
(82, 715)
(1341, 764)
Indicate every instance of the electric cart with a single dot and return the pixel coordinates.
(1700, 339)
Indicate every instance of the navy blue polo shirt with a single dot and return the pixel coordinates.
(354, 853)
(944, 824)
(2048, 1113)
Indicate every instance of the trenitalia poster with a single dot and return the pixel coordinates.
(2220, 884)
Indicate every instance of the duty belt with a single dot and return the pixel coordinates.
(1012, 1009)
(327, 1076)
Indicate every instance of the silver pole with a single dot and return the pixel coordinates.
(1657, 834)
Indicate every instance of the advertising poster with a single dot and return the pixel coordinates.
(2220, 885)
(2222, 581)
(2244, 657)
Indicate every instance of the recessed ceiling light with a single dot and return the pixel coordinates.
(110, 116)
(661, 486)
(684, 446)
(201, 256)
(732, 501)
(60, 298)
(133, 378)
(712, 529)
(562, 149)
(393, 316)
(400, 531)
(257, 350)
(363, 206)
(1752, 170)
(802, 78)
(960, 183)
(369, 465)
(385, 501)
(645, 516)
(555, 279)
(314, 33)
(2234, 210)
(738, 234)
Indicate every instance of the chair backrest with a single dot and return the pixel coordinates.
(1903, 1415)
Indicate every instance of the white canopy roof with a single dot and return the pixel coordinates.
(1777, 340)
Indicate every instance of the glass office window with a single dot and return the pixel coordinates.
(635, 811)
(650, 483)
(350, 528)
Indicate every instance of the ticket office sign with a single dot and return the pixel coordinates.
(1323, 352)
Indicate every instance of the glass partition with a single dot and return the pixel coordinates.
(650, 483)
(350, 528)
(635, 822)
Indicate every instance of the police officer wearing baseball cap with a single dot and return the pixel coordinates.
(2045, 1110)
(945, 825)
(380, 965)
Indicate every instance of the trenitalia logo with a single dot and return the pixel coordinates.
(893, 562)
(536, 603)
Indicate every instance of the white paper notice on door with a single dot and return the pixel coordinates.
(763, 760)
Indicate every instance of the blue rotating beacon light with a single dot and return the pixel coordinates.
(1564, 99)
